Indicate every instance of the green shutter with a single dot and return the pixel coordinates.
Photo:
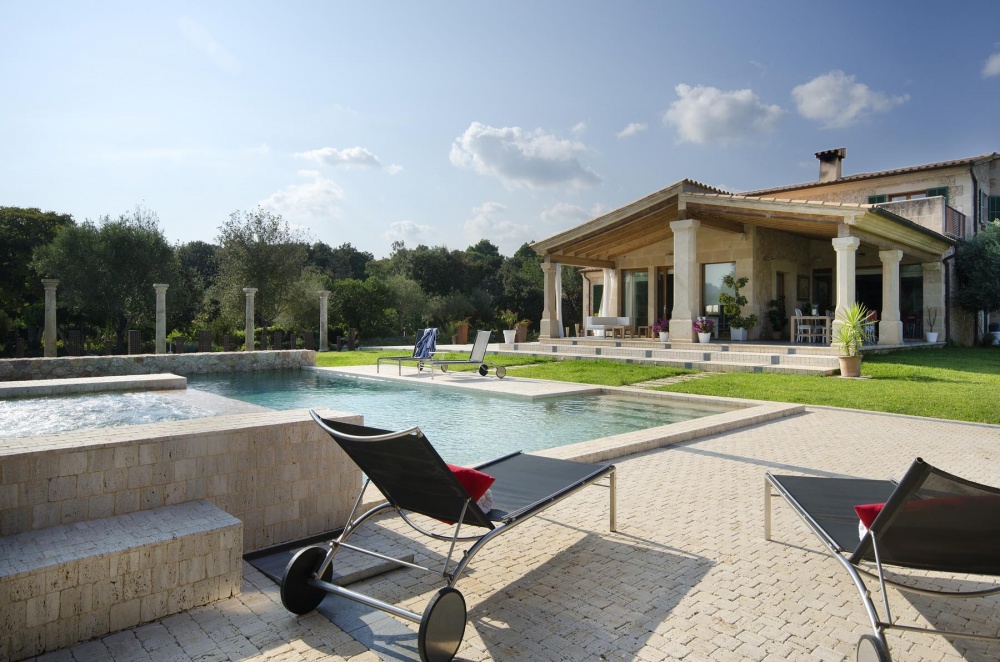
(877, 199)
(942, 191)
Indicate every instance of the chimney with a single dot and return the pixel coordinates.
(830, 163)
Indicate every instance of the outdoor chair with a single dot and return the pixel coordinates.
(476, 357)
(803, 332)
(415, 480)
(423, 348)
(930, 521)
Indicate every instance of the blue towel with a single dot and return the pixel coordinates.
(426, 344)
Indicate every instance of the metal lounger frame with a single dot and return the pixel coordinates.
(477, 356)
(307, 576)
(894, 498)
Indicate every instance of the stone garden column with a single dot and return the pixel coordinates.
(549, 327)
(49, 335)
(890, 326)
(248, 330)
(161, 317)
(846, 248)
(324, 298)
(686, 279)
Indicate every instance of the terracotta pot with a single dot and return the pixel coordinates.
(850, 366)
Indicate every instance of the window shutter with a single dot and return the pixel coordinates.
(942, 191)
(877, 199)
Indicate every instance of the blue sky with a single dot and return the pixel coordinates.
(443, 123)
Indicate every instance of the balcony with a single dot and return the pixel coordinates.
(932, 213)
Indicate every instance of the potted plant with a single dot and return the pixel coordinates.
(662, 329)
(509, 320)
(776, 317)
(462, 331)
(732, 305)
(931, 318)
(703, 327)
(521, 329)
(850, 336)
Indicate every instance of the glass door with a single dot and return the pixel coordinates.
(637, 296)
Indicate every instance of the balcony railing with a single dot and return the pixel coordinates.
(954, 222)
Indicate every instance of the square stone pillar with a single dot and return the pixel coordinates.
(549, 326)
(161, 317)
(49, 334)
(687, 280)
(890, 326)
(248, 328)
(846, 248)
(934, 297)
(324, 319)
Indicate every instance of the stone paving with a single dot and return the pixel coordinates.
(688, 576)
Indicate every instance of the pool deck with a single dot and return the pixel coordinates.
(688, 576)
(77, 385)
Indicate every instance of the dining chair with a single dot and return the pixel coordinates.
(803, 332)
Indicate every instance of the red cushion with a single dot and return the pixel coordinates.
(475, 482)
(868, 512)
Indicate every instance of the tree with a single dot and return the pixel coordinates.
(364, 305)
(345, 261)
(106, 270)
(257, 249)
(977, 263)
(409, 301)
(21, 232)
(523, 281)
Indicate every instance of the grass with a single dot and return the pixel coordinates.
(957, 383)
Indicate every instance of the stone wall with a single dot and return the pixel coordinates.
(143, 364)
(278, 472)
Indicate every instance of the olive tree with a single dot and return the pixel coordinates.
(977, 263)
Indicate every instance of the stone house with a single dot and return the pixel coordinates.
(883, 238)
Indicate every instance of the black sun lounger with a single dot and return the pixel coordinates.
(931, 521)
(414, 479)
(476, 357)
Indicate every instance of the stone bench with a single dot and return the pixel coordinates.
(608, 326)
(66, 584)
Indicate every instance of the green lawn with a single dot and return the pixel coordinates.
(955, 383)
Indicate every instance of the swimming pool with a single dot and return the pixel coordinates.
(465, 427)
(30, 417)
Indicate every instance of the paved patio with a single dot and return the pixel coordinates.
(688, 576)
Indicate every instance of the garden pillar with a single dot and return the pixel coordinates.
(49, 335)
(248, 330)
(890, 326)
(161, 317)
(686, 279)
(934, 298)
(846, 248)
(549, 327)
(324, 298)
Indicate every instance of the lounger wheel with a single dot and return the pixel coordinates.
(442, 627)
(483, 370)
(501, 372)
(297, 594)
(871, 649)
(444, 368)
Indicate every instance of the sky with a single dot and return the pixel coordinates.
(444, 123)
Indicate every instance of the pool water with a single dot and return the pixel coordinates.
(29, 417)
(465, 427)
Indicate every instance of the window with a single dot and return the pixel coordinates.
(712, 286)
(637, 296)
(908, 195)
(595, 300)
(877, 199)
(994, 212)
(942, 191)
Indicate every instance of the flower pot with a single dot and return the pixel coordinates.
(996, 337)
(462, 334)
(776, 335)
(850, 366)
(664, 336)
(738, 334)
(509, 335)
(931, 336)
(704, 337)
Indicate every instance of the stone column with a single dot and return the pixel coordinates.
(588, 305)
(324, 320)
(934, 297)
(687, 281)
(49, 335)
(549, 326)
(846, 248)
(161, 317)
(248, 331)
(890, 326)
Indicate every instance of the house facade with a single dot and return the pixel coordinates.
(885, 239)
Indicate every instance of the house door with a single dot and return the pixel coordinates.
(664, 292)
(637, 297)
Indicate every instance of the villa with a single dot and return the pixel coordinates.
(885, 239)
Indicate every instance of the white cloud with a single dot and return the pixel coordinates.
(523, 159)
(358, 157)
(201, 38)
(992, 66)
(836, 100)
(634, 128)
(316, 198)
(579, 128)
(707, 115)
(566, 214)
(394, 169)
(409, 232)
(488, 223)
